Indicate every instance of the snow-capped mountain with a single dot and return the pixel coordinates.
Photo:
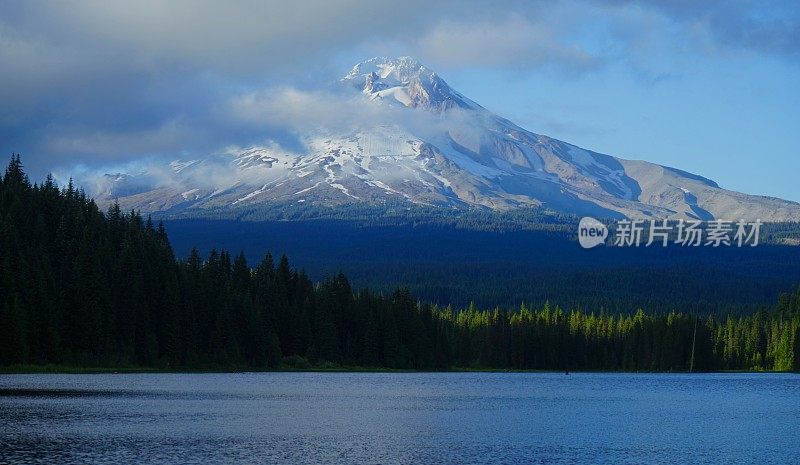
(420, 141)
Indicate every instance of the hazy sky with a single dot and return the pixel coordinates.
(711, 87)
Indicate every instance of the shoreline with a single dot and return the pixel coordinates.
(63, 369)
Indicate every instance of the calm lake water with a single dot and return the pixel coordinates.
(400, 418)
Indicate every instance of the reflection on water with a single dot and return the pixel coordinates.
(400, 418)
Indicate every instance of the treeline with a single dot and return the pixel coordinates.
(83, 287)
(395, 213)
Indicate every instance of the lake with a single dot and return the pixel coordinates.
(400, 418)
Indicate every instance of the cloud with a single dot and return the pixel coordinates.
(512, 42)
(338, 112)
(243, 38)
(729, 25)
(288, 120)
(98, 81)
(297, 110)
(89, 81)
(171, 136)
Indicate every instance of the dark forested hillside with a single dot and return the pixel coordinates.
(82, 287)
(459, 263)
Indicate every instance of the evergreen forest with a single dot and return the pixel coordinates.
(81, 287)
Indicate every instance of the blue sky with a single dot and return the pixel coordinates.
(709, 87)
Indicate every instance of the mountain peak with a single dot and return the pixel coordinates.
(402, 69)
(406, 81)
